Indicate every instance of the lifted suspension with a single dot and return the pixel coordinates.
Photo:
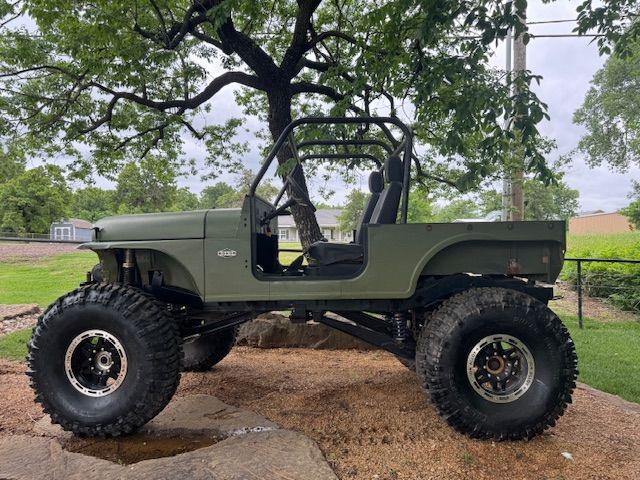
(128, 267)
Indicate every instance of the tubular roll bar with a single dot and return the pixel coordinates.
(287, 135)
(355, 142)
(338, 156)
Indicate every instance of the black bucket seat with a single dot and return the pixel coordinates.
(382, 207)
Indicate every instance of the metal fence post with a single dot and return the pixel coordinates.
(579, 288)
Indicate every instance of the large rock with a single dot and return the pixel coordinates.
(247, 446)
(272, 330)
(194, 415)
(269, 455)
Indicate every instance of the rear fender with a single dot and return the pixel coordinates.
(535, 260)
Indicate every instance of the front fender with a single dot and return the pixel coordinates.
(181, 261)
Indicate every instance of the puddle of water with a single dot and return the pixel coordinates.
(136, 448)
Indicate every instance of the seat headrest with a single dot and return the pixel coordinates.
(376, 182)
(393, 169)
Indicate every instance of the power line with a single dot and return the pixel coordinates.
(542, 22)
(567, 35)
(533, 36)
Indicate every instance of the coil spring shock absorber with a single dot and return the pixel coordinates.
(399, 322)
(128, 267)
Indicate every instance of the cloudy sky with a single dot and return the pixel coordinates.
(567, 66)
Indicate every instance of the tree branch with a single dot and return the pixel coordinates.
(207, 39)
(249, 51)
(212, 88)
(309, 87)
(332, 33)
(169, 39)
(299, 44)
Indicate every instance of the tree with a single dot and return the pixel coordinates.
(210, 196)
(34, 199)
(352, 210)
(185, 200)
(12, 164)
(556, 201)
(93, 203)
(420, 209)
(490, 201)
(610, 113)
(125, 79)
(145, 187)
(457, 209)
(549, 202)
(632, 211)
(234, 197)
(615, 21)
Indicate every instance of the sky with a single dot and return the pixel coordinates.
(567, 66)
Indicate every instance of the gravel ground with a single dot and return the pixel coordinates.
(591, 307)
(29, 251)
(372, 421)
(16, 317)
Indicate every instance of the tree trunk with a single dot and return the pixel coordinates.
(279, 117)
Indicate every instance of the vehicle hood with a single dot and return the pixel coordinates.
(152, 226)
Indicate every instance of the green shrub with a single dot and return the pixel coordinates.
(617, 282)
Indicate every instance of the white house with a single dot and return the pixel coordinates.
(327, 220)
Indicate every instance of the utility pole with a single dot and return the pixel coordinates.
(506, 181)
(517, 175)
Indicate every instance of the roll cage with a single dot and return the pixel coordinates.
(287, 138)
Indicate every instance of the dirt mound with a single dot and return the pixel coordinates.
(15, 317)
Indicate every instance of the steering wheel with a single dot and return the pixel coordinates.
(300, 196)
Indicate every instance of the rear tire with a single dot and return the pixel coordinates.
(202, 353)
(104, 360)
(497, 364)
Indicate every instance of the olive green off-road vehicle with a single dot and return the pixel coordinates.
(465, 303)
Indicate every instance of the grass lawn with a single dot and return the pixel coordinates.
(14, 345)
(608, 355)
(604, 245)
(42, 281)
(287, 257)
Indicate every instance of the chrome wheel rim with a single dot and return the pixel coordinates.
(95, 363)
(500, 368)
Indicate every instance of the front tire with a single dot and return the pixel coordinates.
(497, 364)
(104, 360)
